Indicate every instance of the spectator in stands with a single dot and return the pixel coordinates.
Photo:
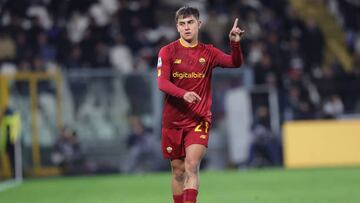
(38, 64)
(121, 57)
(45, 50)
(313, 44)
(326, 83)
(356, 70)
(23, 48)
(74, 59)
(144, 60)
(333, 107)
(22, 87)
(297, 105)
(265, 149)
(215, 26)
(255, 55)
(263, 69)
(142, 150)
(7, 47)
(276, 52)
(294, 56)
(67, 152)
(101, 56)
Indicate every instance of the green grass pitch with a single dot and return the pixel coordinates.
(336, 185)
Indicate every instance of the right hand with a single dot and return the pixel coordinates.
(191, 97)
(236, 33)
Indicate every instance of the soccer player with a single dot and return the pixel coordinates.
(184, 74)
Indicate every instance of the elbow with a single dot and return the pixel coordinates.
(161, 85)
(238, 63)
(162, 89)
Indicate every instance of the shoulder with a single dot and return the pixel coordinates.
(169, 47)
(207, 46)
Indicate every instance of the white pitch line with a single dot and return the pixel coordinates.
(9, 184)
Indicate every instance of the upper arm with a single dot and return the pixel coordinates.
(163, 64)
(222, 59)
(164, 73)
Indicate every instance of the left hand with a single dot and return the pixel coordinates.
(235, 32)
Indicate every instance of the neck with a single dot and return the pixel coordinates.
(185, 43)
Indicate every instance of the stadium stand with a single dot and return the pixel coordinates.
(107, 51)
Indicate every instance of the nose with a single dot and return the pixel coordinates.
(187, 26)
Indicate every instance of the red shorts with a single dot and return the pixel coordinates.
(175, 140)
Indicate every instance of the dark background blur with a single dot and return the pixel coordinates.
(299, 65)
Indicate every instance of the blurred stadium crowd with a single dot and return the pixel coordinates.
(282, 49)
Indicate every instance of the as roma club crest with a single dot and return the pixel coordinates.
(202, 61)
(169, 149)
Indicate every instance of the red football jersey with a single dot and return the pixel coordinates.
(182, 69)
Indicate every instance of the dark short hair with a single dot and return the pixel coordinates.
(187, 11)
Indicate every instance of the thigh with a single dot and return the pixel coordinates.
(172, 143)
(197, 135)
(195, 153)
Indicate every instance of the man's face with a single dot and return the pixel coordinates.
(188, 27)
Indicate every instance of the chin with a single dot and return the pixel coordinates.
(188, 38)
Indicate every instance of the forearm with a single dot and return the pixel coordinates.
(234, 60)
(169, 88)
(236, 54)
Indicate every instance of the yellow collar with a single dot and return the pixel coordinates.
(186, 46)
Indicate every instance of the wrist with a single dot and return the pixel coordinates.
(182, 93)
(234, 43)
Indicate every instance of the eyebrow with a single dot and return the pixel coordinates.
(185, 21)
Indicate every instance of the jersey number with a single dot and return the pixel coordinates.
(198, 127)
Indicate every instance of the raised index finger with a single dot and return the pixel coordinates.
(235, 23)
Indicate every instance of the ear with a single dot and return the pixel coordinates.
(177, 27)
(199, 24)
